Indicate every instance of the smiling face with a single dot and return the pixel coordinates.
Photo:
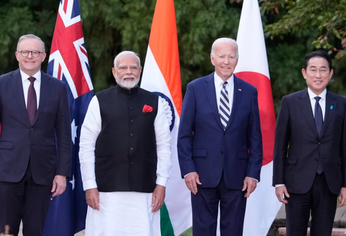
(30, 65)
(127, 71)
(317, 74)
(224, 57)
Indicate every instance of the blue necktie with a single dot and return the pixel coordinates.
(224, 109)
(319, 125)
(318, 116)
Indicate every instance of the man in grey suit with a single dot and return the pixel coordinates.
(35, 140)
(310, 151)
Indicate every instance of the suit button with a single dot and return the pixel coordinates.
(131, 135)
(131, 163)
(221, 152)
(32, 129)
(131, 148)
(131, 121)
(224, 134)
(130, 108)
(28, 144)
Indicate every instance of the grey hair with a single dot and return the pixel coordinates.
(124, 53)
(30, 36)
(224, 40)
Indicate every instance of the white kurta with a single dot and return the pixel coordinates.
(122, 213)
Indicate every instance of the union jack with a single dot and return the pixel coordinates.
(68, 61)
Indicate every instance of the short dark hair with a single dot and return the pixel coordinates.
(318, 53)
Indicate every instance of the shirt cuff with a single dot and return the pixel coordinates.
(279, 185)
(89, 184)
(161, 181)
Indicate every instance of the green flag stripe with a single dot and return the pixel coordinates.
(165, 222)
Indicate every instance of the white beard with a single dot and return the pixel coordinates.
(127, 84)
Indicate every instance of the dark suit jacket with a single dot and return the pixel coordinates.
(298, 147)
(203, 145)
(46, 143)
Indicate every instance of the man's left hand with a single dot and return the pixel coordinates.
(158, 197)
(59, 185)
(342, 197)
(250, 185)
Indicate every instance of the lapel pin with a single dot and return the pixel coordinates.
(331, 107)
(239, 90)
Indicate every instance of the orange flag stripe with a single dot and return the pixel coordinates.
(165, 48)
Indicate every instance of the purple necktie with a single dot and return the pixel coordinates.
(31, 102)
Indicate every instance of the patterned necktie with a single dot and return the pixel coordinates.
(319, 125)
(224, 106)
(31, 102)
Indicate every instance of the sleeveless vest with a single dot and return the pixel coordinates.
(125, 153)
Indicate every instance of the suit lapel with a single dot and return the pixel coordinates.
(44, 94)
(210, 92)
(329, 112)
(17, 88)
(305, 107)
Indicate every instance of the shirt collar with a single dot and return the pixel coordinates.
(25, 76)
(219, 82)
(312, 95)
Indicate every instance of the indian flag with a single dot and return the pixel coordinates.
(262, 206)
(161, 75)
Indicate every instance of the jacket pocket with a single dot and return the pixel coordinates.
(291, 161)
(199, 153)
(6, 145)
(243, 155)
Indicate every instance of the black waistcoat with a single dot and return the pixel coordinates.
(125, 154)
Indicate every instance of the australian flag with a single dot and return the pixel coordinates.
(68, 61)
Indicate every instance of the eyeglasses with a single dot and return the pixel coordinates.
(313, 71)
(125, 68)
(26, 53)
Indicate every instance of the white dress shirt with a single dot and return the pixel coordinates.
(26, 84)
(322, 101)
(92, 127)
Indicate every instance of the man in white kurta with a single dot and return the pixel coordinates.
(112, 213)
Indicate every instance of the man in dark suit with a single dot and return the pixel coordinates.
(310, 151)
(35, 140)
(220, 144)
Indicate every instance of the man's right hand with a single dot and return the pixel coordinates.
(191, 181)
(281, 193)
(92, 198)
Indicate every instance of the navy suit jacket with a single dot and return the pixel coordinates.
(298, 146)
(46, 143)
(206, 148)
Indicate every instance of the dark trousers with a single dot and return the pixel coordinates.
(319, 202)
(24, 201)
(205, 205)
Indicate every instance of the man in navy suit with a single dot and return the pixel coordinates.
(35, 140)
(310, 151)
(220, 144)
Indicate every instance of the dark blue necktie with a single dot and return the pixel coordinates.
(318, 116)
(319, 125)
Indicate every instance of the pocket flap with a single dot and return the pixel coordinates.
(6, 145)
(291, 160)
(199, 153)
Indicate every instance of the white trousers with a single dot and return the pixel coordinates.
(122, 214)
